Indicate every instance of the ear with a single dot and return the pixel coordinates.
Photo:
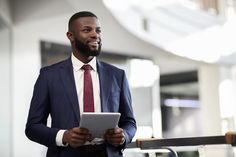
(70, 36)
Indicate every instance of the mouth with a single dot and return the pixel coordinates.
(94, 44)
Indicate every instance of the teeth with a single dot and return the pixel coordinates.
(95, 43)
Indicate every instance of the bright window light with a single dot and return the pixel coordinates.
(143, 132)
(117, 5)
(145, 4)
(174, 102)
(227, 98)
(143, 73)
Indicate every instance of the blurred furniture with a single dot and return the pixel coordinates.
(207, 146)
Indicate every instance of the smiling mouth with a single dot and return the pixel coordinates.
(94, 44)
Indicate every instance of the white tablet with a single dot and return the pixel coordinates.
(98, 123)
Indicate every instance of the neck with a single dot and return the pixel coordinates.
(83, 58)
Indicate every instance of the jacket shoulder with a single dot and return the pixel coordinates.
(57, 65)
(110, 66)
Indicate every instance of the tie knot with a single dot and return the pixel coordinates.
(86, 67)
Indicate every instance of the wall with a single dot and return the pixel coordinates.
(209, 81)
(5, 80)
(5, 95)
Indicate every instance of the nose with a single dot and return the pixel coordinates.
(95, 34)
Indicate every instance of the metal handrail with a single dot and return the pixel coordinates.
(172, 151)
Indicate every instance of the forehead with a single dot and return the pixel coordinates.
(87, 22)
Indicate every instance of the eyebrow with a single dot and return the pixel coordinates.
(85, 27)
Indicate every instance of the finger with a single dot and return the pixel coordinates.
(80, 137)
(78, 140)
(115, 139)
(118, 139)
(115, 142)
(110, 131)
(80, 130)
(114, 131)
(118, 135)
(118, 130)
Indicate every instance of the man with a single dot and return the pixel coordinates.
(60, 91)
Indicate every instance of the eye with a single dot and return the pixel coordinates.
(98, 31)
(86, 30)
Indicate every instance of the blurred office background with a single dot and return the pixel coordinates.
(179, 56)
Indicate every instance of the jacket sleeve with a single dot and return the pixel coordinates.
(36, 126)
(127, 121)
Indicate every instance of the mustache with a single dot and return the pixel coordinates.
(99, 42)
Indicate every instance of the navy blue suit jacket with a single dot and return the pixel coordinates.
(55, 95)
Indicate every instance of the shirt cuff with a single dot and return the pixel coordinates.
(59, 138)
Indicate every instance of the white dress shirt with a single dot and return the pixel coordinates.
(79, 83)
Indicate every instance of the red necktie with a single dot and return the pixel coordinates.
(88, 89)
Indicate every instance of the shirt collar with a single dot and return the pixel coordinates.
(77, 64)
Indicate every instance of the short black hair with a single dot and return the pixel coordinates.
(79, 15)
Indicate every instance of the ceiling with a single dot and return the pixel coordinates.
(179, 28)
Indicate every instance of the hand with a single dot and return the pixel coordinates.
(76, 137)
(115, 137)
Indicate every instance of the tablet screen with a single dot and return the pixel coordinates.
(98, 123)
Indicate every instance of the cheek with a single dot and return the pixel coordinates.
(81, 39)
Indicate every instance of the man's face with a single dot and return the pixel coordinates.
(87, 36)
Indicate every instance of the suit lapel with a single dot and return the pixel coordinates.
(105, 85)
(66, 73)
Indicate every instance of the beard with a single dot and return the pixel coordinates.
(85, 49)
